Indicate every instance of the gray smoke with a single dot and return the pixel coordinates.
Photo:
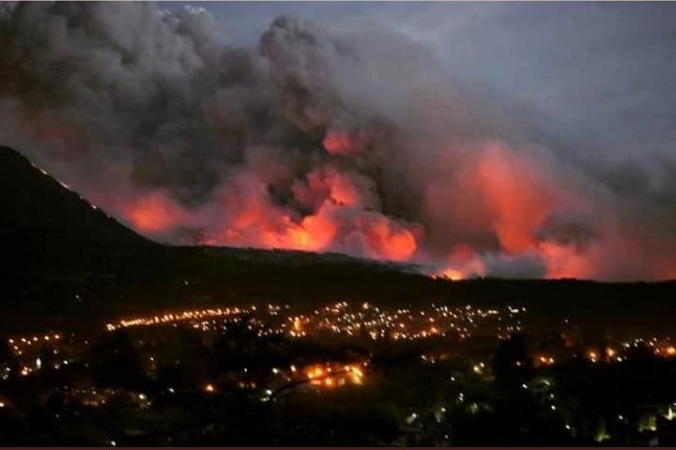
(359, 140)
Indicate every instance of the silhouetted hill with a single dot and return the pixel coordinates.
(36, 208)
(67, 259)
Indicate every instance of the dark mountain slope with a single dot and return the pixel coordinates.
(38, 209)
(65, 259)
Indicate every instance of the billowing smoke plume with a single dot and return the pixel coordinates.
(314, 140)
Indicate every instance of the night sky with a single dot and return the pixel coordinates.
(507, 139)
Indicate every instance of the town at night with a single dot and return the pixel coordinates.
(337, 224)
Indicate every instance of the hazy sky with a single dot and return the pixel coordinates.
(603, 71)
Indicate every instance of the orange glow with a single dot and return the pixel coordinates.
(67, 135)
(667, 266)
(452, 274)
(248, 217)
(356, 371)
(496, 205)
(341, 143)
(314, 233)
(462, 252)
(315, 372)
(518, 198)
(388, 243)
(545, 360)
(462, 270)
(334, 375)
(515, 198)
(320, 229)
(209, 388)
(259, 224)
(565, 262)
(478, 199)
(154, 213)
(343, 191)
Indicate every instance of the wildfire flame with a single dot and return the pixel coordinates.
(154, 213)
(309, 142)
(513, 200)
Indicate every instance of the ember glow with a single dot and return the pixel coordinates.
(452, 274)
(517, 200)
(341, 143)
(153, 214)
(311, 140)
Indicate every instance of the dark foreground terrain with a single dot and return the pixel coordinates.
(583, 363)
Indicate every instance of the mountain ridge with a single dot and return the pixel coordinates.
(43, 209)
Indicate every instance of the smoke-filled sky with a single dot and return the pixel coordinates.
(502, 139)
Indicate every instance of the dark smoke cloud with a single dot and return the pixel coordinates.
(569, 231)
(354, 141)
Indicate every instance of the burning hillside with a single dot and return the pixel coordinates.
(314, 140)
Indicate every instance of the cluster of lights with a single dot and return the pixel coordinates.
(29, 350)
(662, 348)
(25, 344)
(221, 325)
(183, 316)
(330, 376)
(401, 324)
(363, 320)
(95, 397)
(659, 345)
